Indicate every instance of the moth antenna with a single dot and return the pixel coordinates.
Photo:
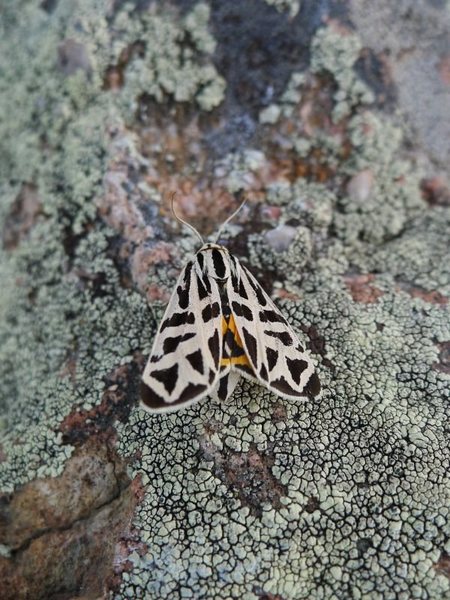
(225, 223)
(172, 205)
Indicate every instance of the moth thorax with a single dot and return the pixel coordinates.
(215, 261)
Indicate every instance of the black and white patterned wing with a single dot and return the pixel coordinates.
(277, 357)
(184, 362)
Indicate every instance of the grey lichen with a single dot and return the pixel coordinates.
(169, 64)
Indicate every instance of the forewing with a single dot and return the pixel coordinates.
(277, 357)
(184, 362)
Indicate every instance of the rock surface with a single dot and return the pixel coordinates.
(331, 118)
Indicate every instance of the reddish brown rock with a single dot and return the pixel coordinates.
(62, 532)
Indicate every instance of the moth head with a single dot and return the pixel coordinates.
(212, 246)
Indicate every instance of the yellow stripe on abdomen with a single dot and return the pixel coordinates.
(227, 328)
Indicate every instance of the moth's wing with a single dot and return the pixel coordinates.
(185, 359)
(225, 386)
(277, 357)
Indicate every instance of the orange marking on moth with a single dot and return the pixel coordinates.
(230, 326)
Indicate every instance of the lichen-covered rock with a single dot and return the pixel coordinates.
(104, 109)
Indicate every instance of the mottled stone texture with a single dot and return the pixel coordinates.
(333, 119)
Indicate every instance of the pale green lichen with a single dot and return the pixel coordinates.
(287, 263)
(270, 114)
(292, 6)
(54, 133)
(393, 196)
(289, 100)
(174, 60)
(357, 463)
(336, 54)
(412, 259)
(238, 167)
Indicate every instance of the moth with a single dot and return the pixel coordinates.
(219, 325)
